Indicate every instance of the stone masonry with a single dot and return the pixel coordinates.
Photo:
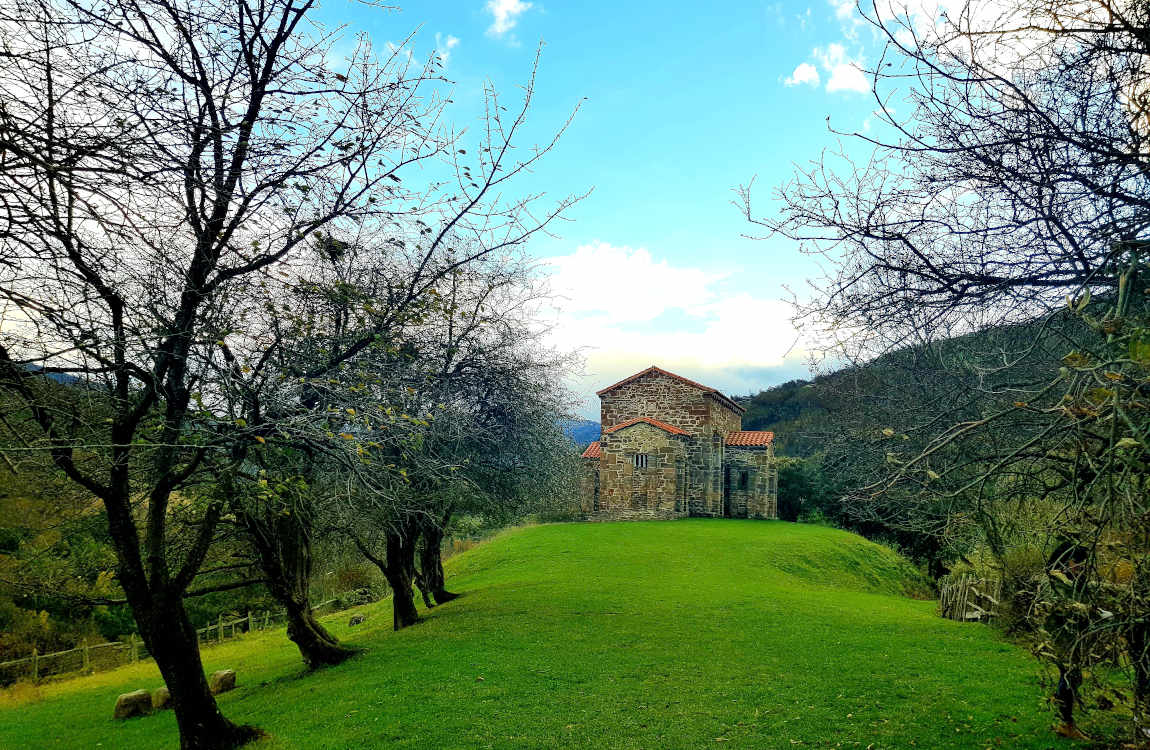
(671, 448)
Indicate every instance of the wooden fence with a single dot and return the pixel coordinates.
(100, 657)
(968, 598)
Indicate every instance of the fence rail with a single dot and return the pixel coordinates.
(100, 657)
(968, 598)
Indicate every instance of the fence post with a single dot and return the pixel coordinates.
(84, 649)
(249, 621)
(135, 655)
(35, 663)
(267, 618)
(220, 629)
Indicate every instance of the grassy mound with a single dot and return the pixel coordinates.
(631, 635)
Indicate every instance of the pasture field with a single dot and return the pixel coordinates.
(680, 634)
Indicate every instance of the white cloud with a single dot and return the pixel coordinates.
(505, 14)
(626, 283)
(627, 310)
(805, 73)
(846, 11)
(444, 45)
(844, 73)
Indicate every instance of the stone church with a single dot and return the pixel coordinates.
(671, 448)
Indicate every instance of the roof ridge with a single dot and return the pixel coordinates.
(649, 420)
(655, 368)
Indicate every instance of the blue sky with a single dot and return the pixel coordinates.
(684, 101)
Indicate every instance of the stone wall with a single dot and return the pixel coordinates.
(722, 418)
(666, 399)
(705, 417)
(589, 485)
(760, 497)
(705, 472)
(657, 491)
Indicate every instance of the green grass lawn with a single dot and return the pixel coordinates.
(682, 634)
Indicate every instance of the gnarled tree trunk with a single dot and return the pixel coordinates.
(398, 567)
(283, 543)
(1138, 649)
(431, 559)
(400, 573)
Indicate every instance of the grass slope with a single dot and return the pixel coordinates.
(676, 634)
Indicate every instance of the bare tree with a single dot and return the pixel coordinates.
(466, 414)
(1012, 187)
(158, 161)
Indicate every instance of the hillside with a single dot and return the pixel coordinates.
(663, 634)
(953, 378)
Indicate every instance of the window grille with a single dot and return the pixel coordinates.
(640, 460)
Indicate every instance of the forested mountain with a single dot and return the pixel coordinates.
(794, 411)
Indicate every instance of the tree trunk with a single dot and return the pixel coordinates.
(283, 543)
(431, 561)
(1065, 696)
(1138, 649)
(400, 574)
(1138, 645)
(424, 591)
(172, 642)
(316, 645)
(398, 567)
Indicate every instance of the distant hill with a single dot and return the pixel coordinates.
(582, 431)
(956, 378)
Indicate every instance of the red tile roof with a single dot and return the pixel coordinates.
(661, 425)
(750, 437)
(653, 369)
(592, 451)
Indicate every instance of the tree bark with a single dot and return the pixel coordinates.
(431, 561)
(1065, 696)
(398, 567)
(316, 645)
(172, 642)
(400, 574)
(283, 543)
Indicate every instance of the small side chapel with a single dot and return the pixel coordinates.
(672, 448)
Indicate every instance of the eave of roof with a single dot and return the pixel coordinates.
(653, 369)
(750, 438)
(654, 422)
(592, 451)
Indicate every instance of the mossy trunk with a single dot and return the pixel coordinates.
(398, 566)
(400, 573)
(1138, 649)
